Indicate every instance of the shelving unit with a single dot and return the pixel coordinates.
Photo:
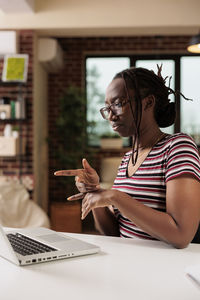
(17, 93)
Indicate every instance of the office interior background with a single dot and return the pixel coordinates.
(74, 49)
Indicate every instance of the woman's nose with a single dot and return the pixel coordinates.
(111, 116)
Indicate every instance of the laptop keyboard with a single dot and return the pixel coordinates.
(27, 246)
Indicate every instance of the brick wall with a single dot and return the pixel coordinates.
(75, 50)
(10, 166)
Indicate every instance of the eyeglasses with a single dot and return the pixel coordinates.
(116, 108)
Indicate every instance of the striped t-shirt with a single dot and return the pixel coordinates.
(173, 156)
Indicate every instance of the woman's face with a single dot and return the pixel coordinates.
(124, 123)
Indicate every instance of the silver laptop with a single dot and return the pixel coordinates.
(36, 245)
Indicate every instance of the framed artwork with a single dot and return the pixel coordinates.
(15, 68)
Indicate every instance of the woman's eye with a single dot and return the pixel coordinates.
(118, 104)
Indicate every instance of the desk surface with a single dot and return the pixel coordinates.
(125, 268)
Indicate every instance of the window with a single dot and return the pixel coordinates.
(190, 74)
(100, 71)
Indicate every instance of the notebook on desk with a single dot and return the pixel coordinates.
(36, 245)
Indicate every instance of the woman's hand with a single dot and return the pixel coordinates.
(86, 179)
(98, 198)
(93, 200)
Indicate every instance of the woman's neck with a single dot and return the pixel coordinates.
(148, 138)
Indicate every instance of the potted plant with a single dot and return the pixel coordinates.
(70, 146)
(111, 141)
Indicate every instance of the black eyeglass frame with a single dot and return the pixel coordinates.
(109, 108)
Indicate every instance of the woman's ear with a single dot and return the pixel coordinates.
(148, 102)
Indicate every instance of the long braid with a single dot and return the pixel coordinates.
(138, 112)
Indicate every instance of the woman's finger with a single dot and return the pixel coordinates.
(85, 203)
(90, 186)
(84, 187)
(79, 178)
(68, 172)
(85, 211)
(81, 187)
(87, 166)
(76, 197)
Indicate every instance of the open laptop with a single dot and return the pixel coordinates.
(36, 245)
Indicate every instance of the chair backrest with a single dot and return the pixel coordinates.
(108, 169)
(17, 209)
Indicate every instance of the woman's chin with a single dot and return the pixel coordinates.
(122, 134)
(122, 131)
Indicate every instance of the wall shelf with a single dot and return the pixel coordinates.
(12, 83)
(18, 90)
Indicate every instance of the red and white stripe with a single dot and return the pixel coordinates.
(171, 157)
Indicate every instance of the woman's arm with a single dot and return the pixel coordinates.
(176, 226)
(105, 221)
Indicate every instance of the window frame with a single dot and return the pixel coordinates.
(134, 57)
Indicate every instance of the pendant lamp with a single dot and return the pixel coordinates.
(194, 44)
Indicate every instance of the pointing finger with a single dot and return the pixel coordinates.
(67, 172)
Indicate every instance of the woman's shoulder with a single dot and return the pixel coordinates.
(181, 142)
(179, 138)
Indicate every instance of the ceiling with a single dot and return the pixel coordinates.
(101, 18)
(17, 6)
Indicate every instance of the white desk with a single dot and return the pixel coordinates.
(124, 269)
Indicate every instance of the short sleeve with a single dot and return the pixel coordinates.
(182, 158)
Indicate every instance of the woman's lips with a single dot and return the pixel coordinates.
(115, 127)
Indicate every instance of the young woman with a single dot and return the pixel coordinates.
(156, 194)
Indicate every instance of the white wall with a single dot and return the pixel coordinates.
(87, 17)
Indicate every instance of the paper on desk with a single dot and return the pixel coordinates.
(194, 273)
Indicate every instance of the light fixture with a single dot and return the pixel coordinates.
(194, 44)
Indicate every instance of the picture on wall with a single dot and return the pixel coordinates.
(15, 68)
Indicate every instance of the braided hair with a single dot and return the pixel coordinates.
(144, 83)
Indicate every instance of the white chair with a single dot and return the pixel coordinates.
(16, 208)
